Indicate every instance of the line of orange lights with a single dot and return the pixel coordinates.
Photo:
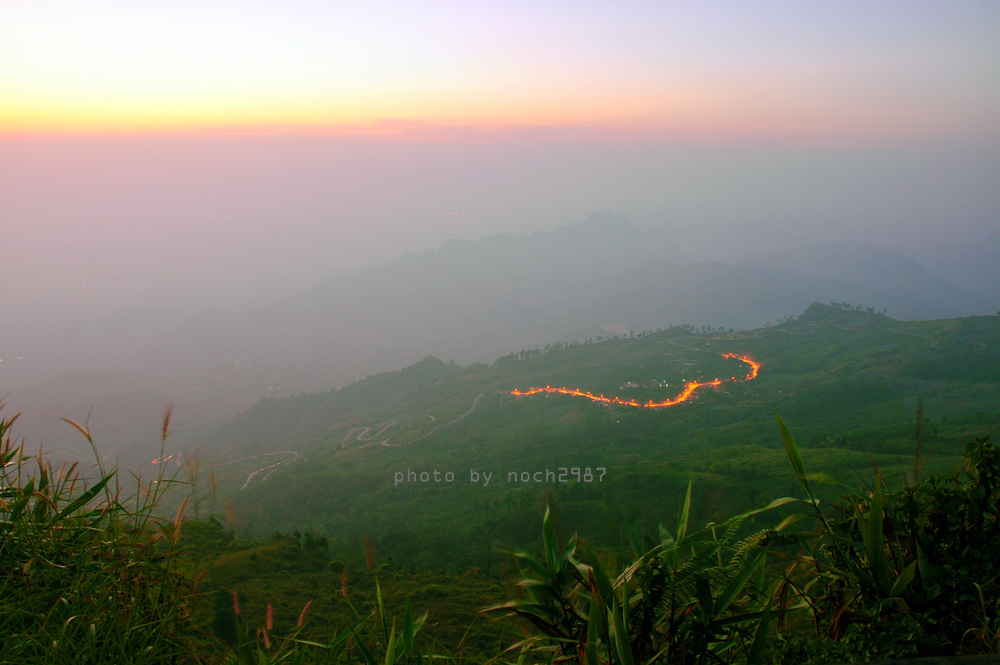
(689, 388)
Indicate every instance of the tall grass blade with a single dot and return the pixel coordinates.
(83, 499)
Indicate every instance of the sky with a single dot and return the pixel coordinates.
(174, 156)
(412, 69)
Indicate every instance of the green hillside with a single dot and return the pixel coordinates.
(440, 466)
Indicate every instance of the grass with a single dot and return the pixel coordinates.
(87, 573)
(91, 573)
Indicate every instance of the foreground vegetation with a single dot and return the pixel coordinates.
(87, 573)
(90, 574)
(884, 574)
(330, 552)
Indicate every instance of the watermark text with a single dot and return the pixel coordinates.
(561, 474)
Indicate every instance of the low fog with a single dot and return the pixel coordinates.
(113, 244)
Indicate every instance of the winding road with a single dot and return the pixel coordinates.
(475, 403)
(689, 388)
(270, 468)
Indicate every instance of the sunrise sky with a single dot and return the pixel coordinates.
(179, 155)
(413, 69)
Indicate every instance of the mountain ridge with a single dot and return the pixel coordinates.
(472, 300)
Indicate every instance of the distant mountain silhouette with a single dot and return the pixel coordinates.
(887, 279)
(476, 300)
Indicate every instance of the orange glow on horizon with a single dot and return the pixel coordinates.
(367, 109)
(689, 388)
(450, 117)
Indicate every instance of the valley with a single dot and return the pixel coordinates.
(849, 381)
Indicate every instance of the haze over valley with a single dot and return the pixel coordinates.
(467, 301)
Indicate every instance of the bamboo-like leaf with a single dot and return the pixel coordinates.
(634, 539)
(776, 503)
(758, 646)
(903, 581)
(928, 573)
(594, 620)
(408, 629)
(827, 479)
(602, 580)
(366, 653)
(549, 542)
(348, 633)
(528, 561)
(600, 598)
(703, 593)
(793, 519)
(735, 586)
(792, 450)
(381, 609)
(390, 646)
(738, 619)
(682, 523)
(620, 643)
(873, 540)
